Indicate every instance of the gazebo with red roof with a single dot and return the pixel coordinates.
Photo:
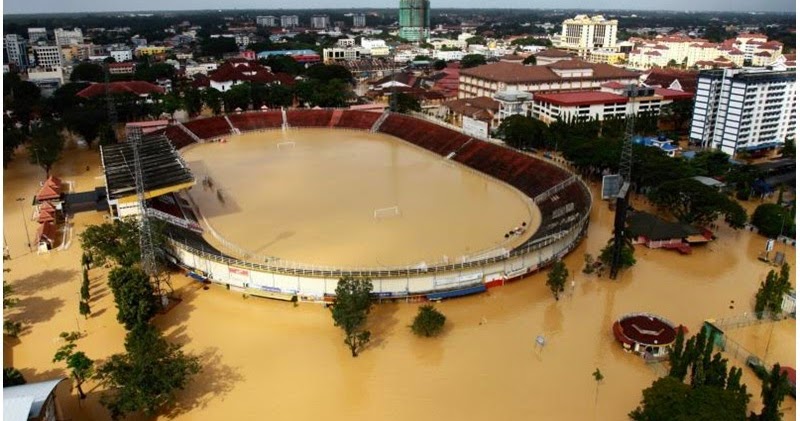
(47, 193)
(646, 334)
(46, 235)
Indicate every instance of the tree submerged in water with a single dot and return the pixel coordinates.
(428, 322)
(350, 310)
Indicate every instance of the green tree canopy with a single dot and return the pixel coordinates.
(218, 46)
(476, 40)
(213, 100)
(771, 219)
(557, 278)
(117, 240)
(439, 64)
(238, 96)
(670, 399)
(315, 93)
(350, 310)
(87, 72)
(711, 163)
(770, 294)
(283, 64)
(329, 72)
(520, 131)
(407, 103)
(472, 60)
(81, 367)
(774, 388)
(428, 322)
(692, 202)
(12, 377)
(134, 295)
(45, 146)
(531, 60)
(147, 376)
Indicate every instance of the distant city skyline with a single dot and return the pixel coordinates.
(73, 6)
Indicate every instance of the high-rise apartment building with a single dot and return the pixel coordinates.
(48, 56)
(741, 110)
(359, 20)
(289, 21)
(415, 19)
(320, 21)
(37, 34)
(268, 21)
(16, 50)
(584, 34)
(65, 37)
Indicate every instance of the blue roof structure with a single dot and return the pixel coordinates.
(265, 54)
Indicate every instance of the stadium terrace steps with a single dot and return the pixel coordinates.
(261, 120)
(209, 128)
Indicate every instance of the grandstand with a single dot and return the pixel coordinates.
(563, 200)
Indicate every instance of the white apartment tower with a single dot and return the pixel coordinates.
(268, 21)
(740, 110)
(37, 34)
(320, 21)
(16, 50)
(289, 21)
(48, 56)
(359, 20)
(584, 34)
(66, 38)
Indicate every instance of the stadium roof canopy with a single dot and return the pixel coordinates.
(163, 170)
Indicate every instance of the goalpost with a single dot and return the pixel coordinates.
(389, 212)
(289, 144)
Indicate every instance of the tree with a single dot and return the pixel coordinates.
(117, 241)
(218, 46)
(283, 64)
(238, 96)
(407, 103)
(12, 377)
(147, 376)
(557, 278)
(711, 163)
(472, 60)
(476, 40)
(279, 96)
(530, 60)
(329, 72)
(439, 64)
(213, 100)
(773, 220)
(350, 310)
(84, 309)
(13, 137)
(134, 295)
(87, 72)
(670, 399)
(45, 146)
(192, 101)
(422, 58)
(8, 296)
(770, 294)
(788, 149)
(81, 367)
(692, 202)
(519, 131)
(774, 389)
(598, 377)
(85, 285)
(428, 322)
(626, 259)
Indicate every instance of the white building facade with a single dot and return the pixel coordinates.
(320, 21)
(37, 34)
(121, 55)
(583, 34)
(289, 21)
(48, 56)
(359, 20)
(742, 110)
(268, 21)
(16, 50)
(66, 37)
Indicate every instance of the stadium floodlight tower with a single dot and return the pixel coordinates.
(110, 106)
(146, 243)
(625, 165)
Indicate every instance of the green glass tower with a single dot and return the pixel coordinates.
(415, 19)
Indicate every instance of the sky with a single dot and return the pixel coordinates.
(62, 6)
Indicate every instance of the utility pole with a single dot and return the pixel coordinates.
(110, 106)
(21, 201)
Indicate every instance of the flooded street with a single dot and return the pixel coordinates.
(311, 196)
(269, 360)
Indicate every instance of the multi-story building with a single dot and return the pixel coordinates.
(320, 21)
(564, 75)
(689, 52)
(150, 50)
(359, 20)
(289, 21)
(268, 21)
(121, 54)
(37, 34)
(584, 34)
(192, 69)
(742, 110)
(121, 68)
(48, 56)
(47, 79)
(66, 37)
(16, 50)
(415, 20)
(347, 54)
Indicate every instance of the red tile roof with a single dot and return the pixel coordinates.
(613, 85)
(580, 98)
(552, 52)
(569, 64)
(652, 53)
(673, 94)
(248, 71)
(764, 54)
(518, 73)
(46, 232)
(482, 108)
(136, 87)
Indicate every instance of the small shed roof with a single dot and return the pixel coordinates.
(708, 181)
(656, 229)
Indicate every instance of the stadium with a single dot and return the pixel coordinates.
(284, 203)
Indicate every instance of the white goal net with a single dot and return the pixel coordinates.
(390, 212)
(284, 145)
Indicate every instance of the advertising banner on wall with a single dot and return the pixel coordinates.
(474, 127)
(238, 274)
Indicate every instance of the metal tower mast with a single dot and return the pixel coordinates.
(146, 243)
(110, 106)
(625, 164)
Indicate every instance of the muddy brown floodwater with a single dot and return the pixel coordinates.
(310, 196)
(269, 360)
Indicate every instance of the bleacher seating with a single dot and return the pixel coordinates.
(208, 128)
(167, 205)
(309, 118)
(430, 136)
(257, 121)
(362, 120)
(178, 137)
